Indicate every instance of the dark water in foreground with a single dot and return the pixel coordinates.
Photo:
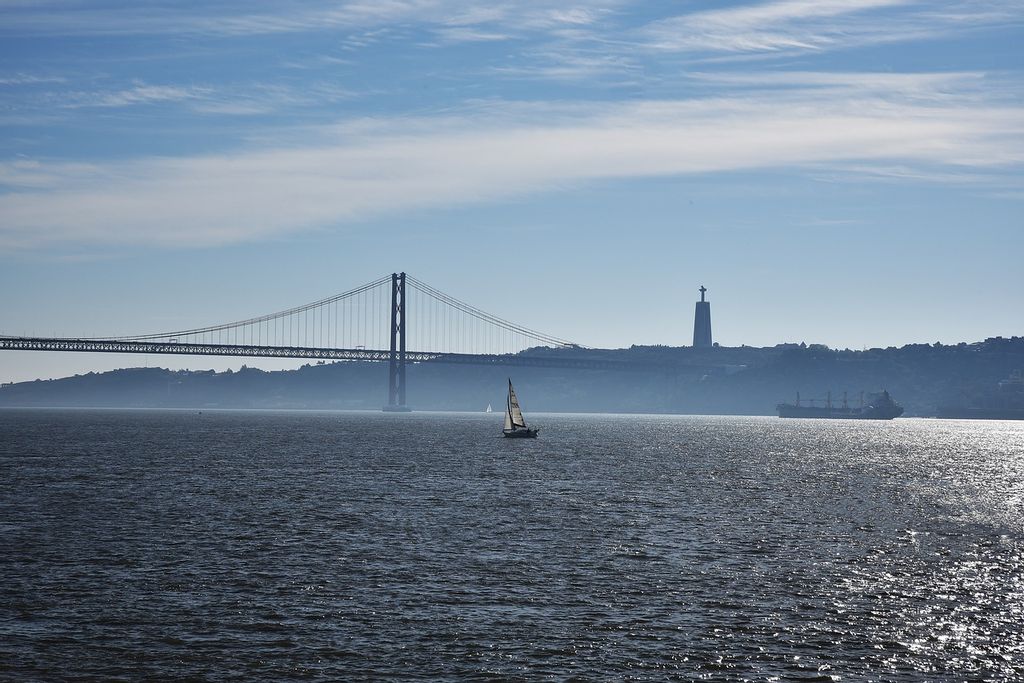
(351, 546)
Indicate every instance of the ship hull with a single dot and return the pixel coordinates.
(881, 407)
(825, 413)
(521, 434)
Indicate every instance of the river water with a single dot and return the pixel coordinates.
(364, 546)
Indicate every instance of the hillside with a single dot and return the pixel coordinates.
(721, 380)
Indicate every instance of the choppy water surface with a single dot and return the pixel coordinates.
(362, 546)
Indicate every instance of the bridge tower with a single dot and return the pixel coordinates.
(396, 358)
(702, 322)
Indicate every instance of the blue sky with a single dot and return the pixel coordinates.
(838, 171)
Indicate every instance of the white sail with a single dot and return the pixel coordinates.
(488, 409)
(513, 416)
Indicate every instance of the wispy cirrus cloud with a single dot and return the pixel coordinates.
(955, 85)
(572, 65)
(971, 177)
(786, 26)
(263, 17)
(370, 167)
(29, 79)
(266, 98)
(28, 174)
(140, 93)
(238, 99)
(549, 39)
(467, 34)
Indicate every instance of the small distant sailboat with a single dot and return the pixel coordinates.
(488, 409)
(515, 425)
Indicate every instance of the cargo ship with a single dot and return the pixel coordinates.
(880, 406)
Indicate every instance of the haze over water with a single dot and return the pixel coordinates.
(357, 546)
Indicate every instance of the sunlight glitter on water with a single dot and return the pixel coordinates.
(363, 546)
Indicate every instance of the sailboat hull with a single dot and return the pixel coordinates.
(521, 433)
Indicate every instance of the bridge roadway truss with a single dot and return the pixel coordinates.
(459, 334)
(314, 353)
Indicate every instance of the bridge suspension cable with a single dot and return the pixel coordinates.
(297, 310)
(360, 319)
(513, 329)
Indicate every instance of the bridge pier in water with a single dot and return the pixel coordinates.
(396, 357)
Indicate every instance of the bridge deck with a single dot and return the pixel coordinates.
(562, 359)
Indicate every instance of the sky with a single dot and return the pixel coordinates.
(845, 172)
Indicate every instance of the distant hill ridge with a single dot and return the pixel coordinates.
(719, 380)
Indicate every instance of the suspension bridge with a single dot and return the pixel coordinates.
(395, 319)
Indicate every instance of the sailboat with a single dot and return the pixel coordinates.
(489, 409)
(515, 425)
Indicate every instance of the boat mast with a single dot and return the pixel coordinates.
(508, 408)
